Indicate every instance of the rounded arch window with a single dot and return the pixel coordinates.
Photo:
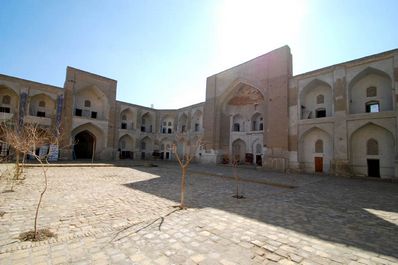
(319, 146)
(320, 99)
(372, 147)
(371, 91)
(87, 103)
(6, 99)
(42, 104)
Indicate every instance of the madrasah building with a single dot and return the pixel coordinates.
(340, 119)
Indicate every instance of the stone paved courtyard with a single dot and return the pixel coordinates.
(122, 215)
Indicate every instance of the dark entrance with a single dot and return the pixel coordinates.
(84, 142)
(318, 164)
(374, 168)
(259, 160)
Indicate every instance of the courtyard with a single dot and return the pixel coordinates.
(125, 215)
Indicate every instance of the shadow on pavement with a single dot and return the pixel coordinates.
(344, 211)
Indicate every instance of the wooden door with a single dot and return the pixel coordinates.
(318, 164)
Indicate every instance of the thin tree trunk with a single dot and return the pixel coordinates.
(92, 157)
(41, 195)
(184, 170)
(235, 170)
(17, 165)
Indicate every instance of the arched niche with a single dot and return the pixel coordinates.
(316, 100)
(315, 150)
(127, 119)
(197, 121)
(91, 102)
(86, 138)
(42, 105)
(361, 159)
(370, 91)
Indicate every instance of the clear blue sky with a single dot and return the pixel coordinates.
(161, 52)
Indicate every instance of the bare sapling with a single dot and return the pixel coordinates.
(235, 163)
(26, 140)
(184, 159)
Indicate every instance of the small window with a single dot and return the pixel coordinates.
(124, 117)
(261, 127)
(163, 130)
(164, 123)
(319, 146)
(123, 125)
(94, 114)
(5, 109)
(320, 113)
(169, 124)
(320, 99)
(78, 112)
(372, 106)
(42, 104)
(142, 128)
(372, 147)
(371, 91)
(87, 103)
(236, 127)
(196, 127)
(6, 100)
(41, 114)
(183, 128)
(169, 130)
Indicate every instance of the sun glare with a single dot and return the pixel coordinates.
(250, 28)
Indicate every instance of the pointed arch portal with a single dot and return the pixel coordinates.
(84, 146)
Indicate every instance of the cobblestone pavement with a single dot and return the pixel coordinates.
(121, 215)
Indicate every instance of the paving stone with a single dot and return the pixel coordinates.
(112, 216)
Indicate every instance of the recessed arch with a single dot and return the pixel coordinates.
(317, 94)
(167, 124)
(10, 95)
(239, 150)
(197, 121)
(237, 123)
(127, 118)
(370, 82)
(257, 122)
(126, 146)
(359, 153)
(93, 133)
(183, 123)
(315, 146)
(147, 122)
(98, 102)
(42, 105)
(241, 93)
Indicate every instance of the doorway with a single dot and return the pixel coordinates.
(319, 164)
(84, 145)
(259, 160)
(374, 168)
